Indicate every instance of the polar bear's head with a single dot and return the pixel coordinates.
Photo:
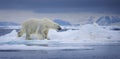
(51, 24)
(56, 26)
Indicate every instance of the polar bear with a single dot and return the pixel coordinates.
(40, 27)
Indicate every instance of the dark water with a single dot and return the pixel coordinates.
(99, 52)
(6, 31)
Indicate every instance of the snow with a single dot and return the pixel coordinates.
(71, 39)
(87, 33)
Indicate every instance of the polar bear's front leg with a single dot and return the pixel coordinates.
(46, 34)
(40, 33)
(28, 34)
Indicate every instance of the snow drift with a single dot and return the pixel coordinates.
(87, 34)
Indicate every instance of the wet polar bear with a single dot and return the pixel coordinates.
(40, 27)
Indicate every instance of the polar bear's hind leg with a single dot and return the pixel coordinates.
(20, 33)
(28, 36)
(28, 33)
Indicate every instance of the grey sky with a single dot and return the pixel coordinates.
(71, 10)
(54, 6)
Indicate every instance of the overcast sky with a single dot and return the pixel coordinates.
(23, 9)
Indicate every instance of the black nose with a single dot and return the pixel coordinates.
(59, 28)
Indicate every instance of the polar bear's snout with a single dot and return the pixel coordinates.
(59, 28)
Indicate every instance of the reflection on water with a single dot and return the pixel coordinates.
(100, 52)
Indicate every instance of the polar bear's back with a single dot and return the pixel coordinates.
(30, 22)
(35, 20)
(31, 25)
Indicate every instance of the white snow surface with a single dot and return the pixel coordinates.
(71, 39)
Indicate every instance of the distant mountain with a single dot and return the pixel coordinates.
(118, 24)
(62, 22)
(8, 24)
(107, 20)
(90, 20)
